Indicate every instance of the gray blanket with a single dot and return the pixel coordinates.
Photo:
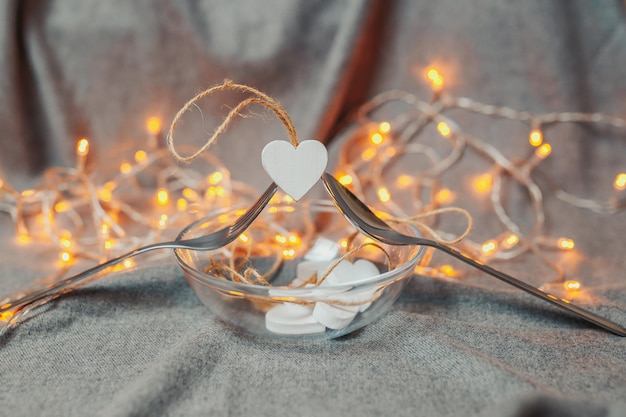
(140, 343)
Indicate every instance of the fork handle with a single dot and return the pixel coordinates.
(560, 302)
(74, 281)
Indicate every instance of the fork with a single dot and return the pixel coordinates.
(361, 217)
(214, 240)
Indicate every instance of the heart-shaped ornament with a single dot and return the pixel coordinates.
(295, 170)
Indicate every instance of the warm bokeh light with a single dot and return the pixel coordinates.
(163, 220)
(288, 253)
(181, 204)
(444, 196)
(376, 138)
(404, 181)
(535, 137)
(82, 147)
(565, 243)
(572, 285)
(104, 194)
(345, 179)
(140, 156)
(65, 257)
(244, 238)
(383, 194)
(125, 167)
(163, 197)
(489, 247)
(368, 154)
(128, 263)
(483, 183)
(620, 181)
(434, 76)
(61, 207)
(280, 238)
(543, 151)
(448, 270)
(511, 241)
(443, 129)
(384, 127)
(153, 125)
(215, 177)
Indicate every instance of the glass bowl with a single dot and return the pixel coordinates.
(294, 279)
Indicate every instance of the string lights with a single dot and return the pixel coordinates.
(372, 163)
(96, 213)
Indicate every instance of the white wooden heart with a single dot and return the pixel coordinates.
(295, 170)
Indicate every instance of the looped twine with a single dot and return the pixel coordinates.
(260, 98)
(415, 221)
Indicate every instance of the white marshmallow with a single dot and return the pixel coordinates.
(288, 318)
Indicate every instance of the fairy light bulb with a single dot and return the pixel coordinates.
(571, 285)
(244, 238)
(82, 147)
(368, 154)
(140, 156)
(181, 204)
(384, 127)
(511, 241)
(345, 179)
(565, 243)
(126, 167)
(443, 129)
(376, 138)
(163, 197)
(163, 220)
(448, 270)
(288, 253)
(483, 183)
(435, 78)
(280, 239)
(128, 263)
(489, 247)
(153, 125)
(620, 182)
(65, 257)
(535, 138)
(383, 194)
(444, 196)
(404, 181)
(66, 239)
(543, 151)
(215, 177)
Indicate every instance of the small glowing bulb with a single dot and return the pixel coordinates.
(571, 285)
(620, 181)
(61, 206)
(244, 238)
(289, 253)
(104, 229)
(66, 239)
(345, 179)
(65, 257)
(82, 147)
(108, 244)
(444, 196)
(536, 137)
(384, 127)
(163, 220)
(404, 181)
(511, 240)
(140, 155)
(181, 204)
(543, 151)
(489, 247)
(125, 167)
(105, 195)
(565, 243)
(163, 197)
(287, 199)
(383, 194)
(23, 238)
(443, 129)
(448, 270)
(154, 125)
(128, 263)
(483, 183)
(376, 138)
(368, 154)
(434, 76)
(280, 239)
(190, 194)
(216, 177)
(28, 193)
(343, 243)
(294, 240)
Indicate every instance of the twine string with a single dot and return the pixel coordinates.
(260, 98)
(415, 221)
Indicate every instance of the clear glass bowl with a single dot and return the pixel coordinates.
(309, 234)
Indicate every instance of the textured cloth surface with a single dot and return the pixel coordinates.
(140, 343)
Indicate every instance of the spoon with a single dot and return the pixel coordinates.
(361, 217)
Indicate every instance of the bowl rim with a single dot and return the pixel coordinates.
(228, 285)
